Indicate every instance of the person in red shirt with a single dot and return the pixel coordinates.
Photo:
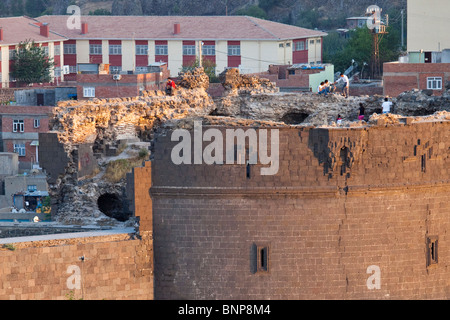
(170, 87)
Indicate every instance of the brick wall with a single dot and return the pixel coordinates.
(400, 77)
(343, 200)
(215, 89)
(356, 90)
(7, 94)
(280, 75)
(128, 86)
(115, 267)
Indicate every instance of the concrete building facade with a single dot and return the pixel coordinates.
(427, 64)
(428, 26)
(130, 43)
(120, 85)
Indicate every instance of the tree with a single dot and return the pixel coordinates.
(253, 11)
(31, 64)
(100, 12)
(360, 48)
(208, 66)
(34, 8)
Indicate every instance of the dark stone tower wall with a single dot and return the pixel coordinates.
(343, 200)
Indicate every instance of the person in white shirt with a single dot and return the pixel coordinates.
(345, 89)
(386, 105)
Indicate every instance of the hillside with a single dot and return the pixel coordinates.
(306, 13)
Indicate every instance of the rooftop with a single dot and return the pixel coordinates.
(191, 28)
(21, 29)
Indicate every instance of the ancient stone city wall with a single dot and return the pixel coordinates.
(353, 213)
(89, 267)
(106, 267)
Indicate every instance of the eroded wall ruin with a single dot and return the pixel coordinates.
(89, 133)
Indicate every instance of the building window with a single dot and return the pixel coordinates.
(311, 41)
(70, 48)
(31, 188)
(12, 54)
(89, 92)
(95, 49)
(300, 46)
(306, 44)
(72, 69)
(141, 69)
(115, 49)
(188, 50)
(57, 50)
(161, 50)
(281, 45)
(263, 258)
(57, 71)
(288, 44)
(209, 50)
(317, 41)
(141, 50)
(115, 69)
(260, 254)
(18, 126)
(45, 50)
(37, 123)
(234, 50)
(20, 149)
(434, 83)
(432, 250)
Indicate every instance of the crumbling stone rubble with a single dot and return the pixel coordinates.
(196, 78)
(236, 83)
(104, 122)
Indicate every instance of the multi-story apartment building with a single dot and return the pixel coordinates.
(131, 43)
(427, 27)
(20, 127)
(15, 30)
(427, 65)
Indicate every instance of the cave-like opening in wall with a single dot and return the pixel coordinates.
(112, 206)
(294, 117)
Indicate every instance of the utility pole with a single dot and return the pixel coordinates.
(402, 28)
(378, 30)
(200, 53)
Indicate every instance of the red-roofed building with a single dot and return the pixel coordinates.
(128, 44)
(15, 30)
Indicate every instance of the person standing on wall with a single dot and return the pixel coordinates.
(386, 105)
(345, 89)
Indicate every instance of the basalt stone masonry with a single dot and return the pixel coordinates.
(353, 213)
